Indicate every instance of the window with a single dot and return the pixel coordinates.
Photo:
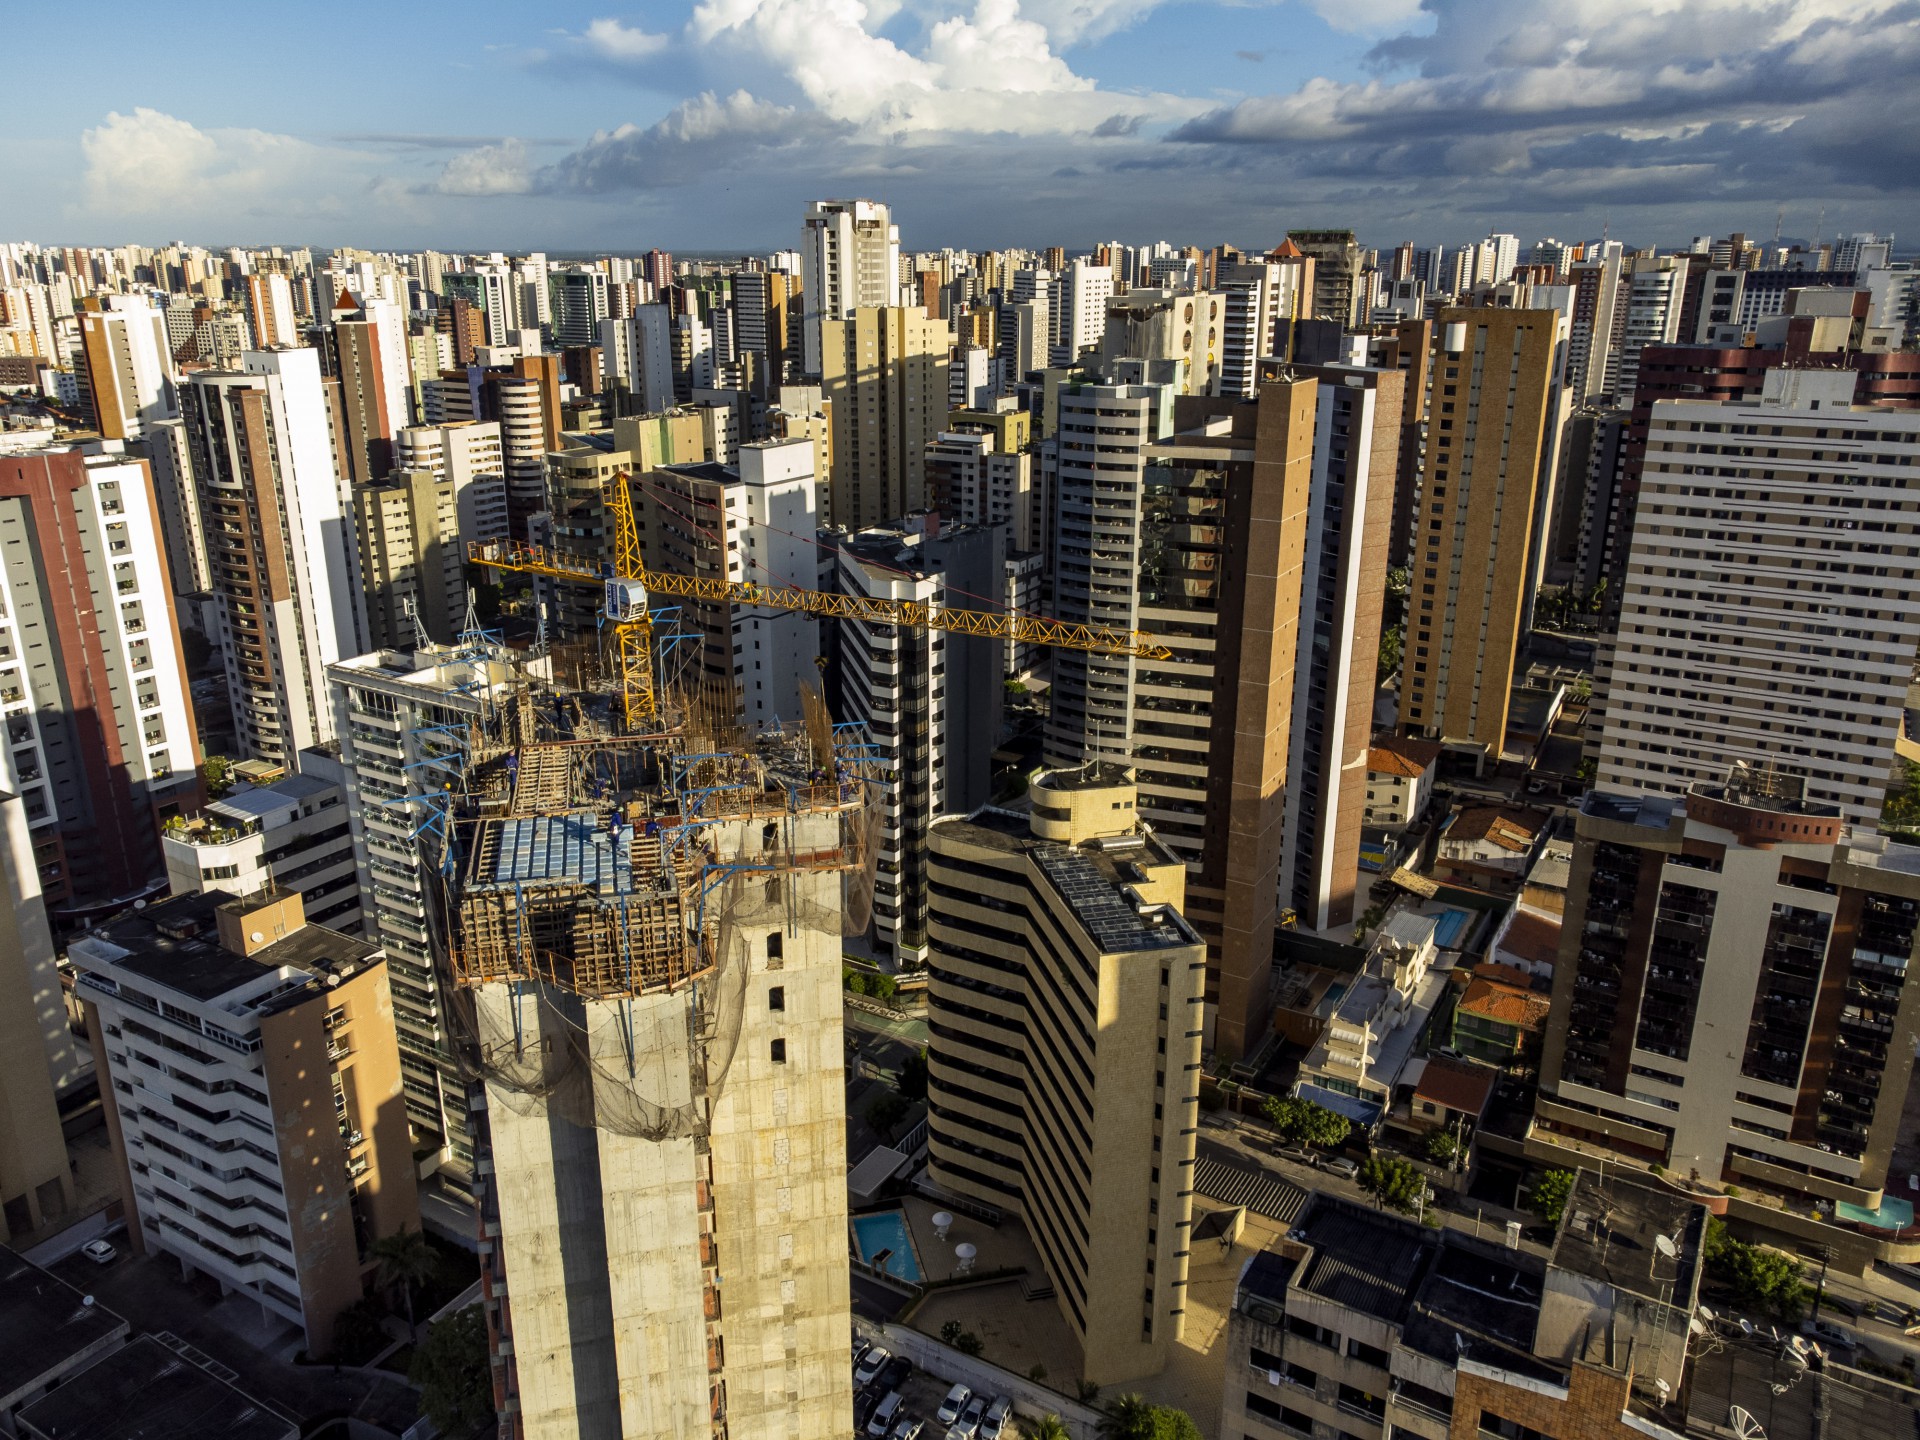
(777, 998)
(773, 946)
(780, 1051)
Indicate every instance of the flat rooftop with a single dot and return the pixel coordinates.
(44, 1323)
(143, 1391)
(1792, 1402)
(1611, 1232)
(1363, 1259)
(577, 848)
(1487, 1296)
(174, 944)
(1655, 812)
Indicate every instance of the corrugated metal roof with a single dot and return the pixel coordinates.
(1259, 1190)
(541, 849)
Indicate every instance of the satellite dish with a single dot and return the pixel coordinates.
(1746, 1326)
(1664, 1388)
(1744, 1425)
(86, 1300)
(256, 937)
(1705, 1314)
(1697, 1326)
(139, 904)
(1666, 1247)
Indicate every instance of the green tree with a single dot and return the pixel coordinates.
(404, 1260)
(1304, 1122)
(887, 1111)
(1762, 1279)
(1127, 1417)
(1172, 1424)
(883, 988)
(968, 1343)
(913, 1076)
(217, 771)
(1048, 1427)
(1442, 1147)
(1391, 1180)
(854, 980)
(450, 1367)
(1087, 1391)
(1390, 642)
(950, 1331)
(1549, 1197)
(1901, 808)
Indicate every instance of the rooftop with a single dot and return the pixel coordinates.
(1400, 755)
(1480, 1302)
(259, 801)
(1094, 884)
(1532, 937)
(1362, 1259)
(1503, 1001)
(1611, 1232)
(1652, 812)
(1791, 1401)
(1455, 1085)
(44, 1323)
(1509, 829)
(143, 1391)
(175, 944)
(1409, 928)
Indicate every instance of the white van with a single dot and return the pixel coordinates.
(882, 1419)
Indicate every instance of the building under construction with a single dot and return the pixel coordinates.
(642, 941)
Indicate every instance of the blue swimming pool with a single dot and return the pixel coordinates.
(885, 1234)
(1447, 927)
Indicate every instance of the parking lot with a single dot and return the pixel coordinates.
(921, 1396)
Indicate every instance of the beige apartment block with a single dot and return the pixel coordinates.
(1486, 433)
(1065, 1007)
(883, 370)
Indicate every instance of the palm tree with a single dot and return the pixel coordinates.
(1050, 1427)
(1128, 1417)
(406, 1260)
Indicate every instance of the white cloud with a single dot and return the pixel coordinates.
(615, 41)
(1366, 16)
(150, 161)
(489, 170)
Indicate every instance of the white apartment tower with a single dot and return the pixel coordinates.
(1771, 609)
(850, 259)
(129, 365)
(467, 452)
(281, 549)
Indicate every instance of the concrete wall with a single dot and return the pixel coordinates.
(1031, 1399)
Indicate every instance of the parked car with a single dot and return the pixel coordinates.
(885, 1414)
(955, 1402)
(1830, 1335)
(909, 1429)
(894, 1375)
(995, 1420)
(968, 1426)
(1340, 1165)
(100, 1252)
(863, 1407)
(860, 1347)
(870, 1365)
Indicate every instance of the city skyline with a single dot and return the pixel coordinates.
(1001, 123)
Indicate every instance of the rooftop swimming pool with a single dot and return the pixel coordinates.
(1447, 927)
(886, 1244)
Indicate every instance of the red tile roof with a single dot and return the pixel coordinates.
(1456, 1085)
(1398, 755)
(1532, 937)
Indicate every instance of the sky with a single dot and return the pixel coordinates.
(708, 126)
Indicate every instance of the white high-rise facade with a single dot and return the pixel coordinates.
(1772, 601)
(850, 258)
(129, 365)
(467, 453)
(280, 542)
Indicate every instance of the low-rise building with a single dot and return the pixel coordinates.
(1363, 1325)
(145, 1389)
(1500, 1017)
(1488, 846)
(291, 834)
(254, 1101)
(1400, 778)
(1363, 1050)
(48, 1331)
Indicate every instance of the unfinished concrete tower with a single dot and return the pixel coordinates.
(649, 942)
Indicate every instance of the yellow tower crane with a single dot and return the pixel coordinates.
(630, 586)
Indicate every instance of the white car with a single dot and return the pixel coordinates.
(994, 1423)
(870, 1365)
(1340, 1165)
(955, 1402)
(968, 1425)
(100, 1252)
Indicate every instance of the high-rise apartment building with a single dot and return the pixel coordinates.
(248, 1064)
(1648, 306)
(400, 714)
(1729, 1003)
(1188, 520)
(37, 1052)
(925, 697)
(884, 372)
(280, 544)
(664, 1121)
(130, 374)
(1486, 435)
(1064, 1007)
(850, 260)
(270, 311)
(763, 301)
(1336, 272)
(1596, 285)
(170, 460)
(1771, 611)
(1343, 589)
(467, 453)
(753, 522)
(1080, 293)
(579, 304)
(412, 561)
(100, 737)
(370, 358)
